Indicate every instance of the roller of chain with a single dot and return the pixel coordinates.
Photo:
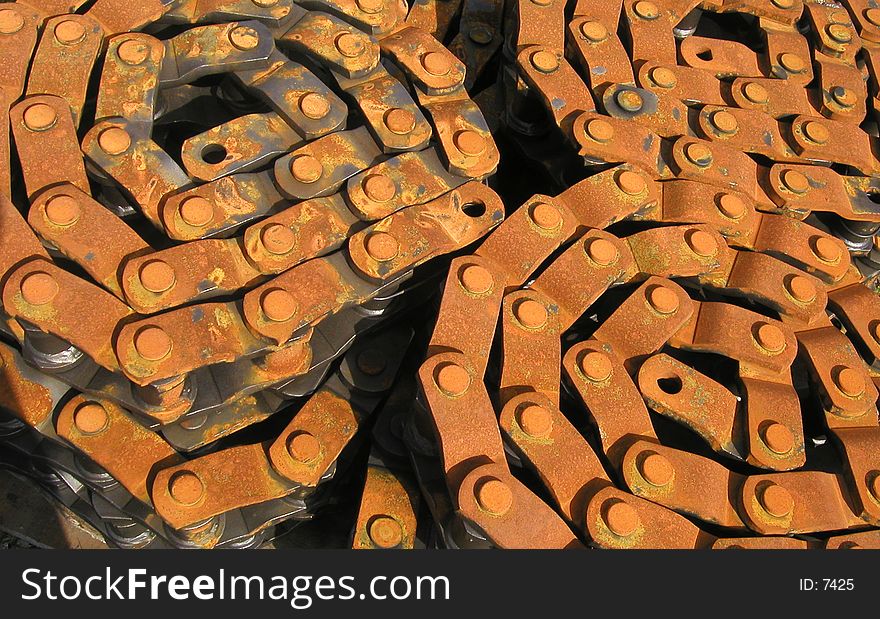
(226, 226)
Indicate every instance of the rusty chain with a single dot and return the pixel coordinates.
(216, 223)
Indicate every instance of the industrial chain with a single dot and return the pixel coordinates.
(216, 219)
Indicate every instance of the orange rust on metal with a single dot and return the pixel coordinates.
(117, 16)
(695, 251)
(767, 542)
(130, 78)
(461, 415)
(71, 220)
(723, 59)
(600, 52)
(611, 397)
(774, 428)
(18, 243)
(610, 196)
(312, 441)
(617, 140)
(26, 400)
(531, 347)
(98, 427)
(425, 60)
(824, 140)
(685, 83)
(796, 502)
(561, 457)
(387, 514)
(417, 233)
(582, 273)
(857, 307)
(617, 519)
(684, 482)
(58, 302)
(469, 310)
(854, 541)
(509, 514)
(216, 483)
(45, 138)
(64, 60)
(680, 392)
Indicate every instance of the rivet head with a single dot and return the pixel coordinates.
(544, 61)
(40, 117)
(244, 38)
(657, 470)
(839, 33)
(756, 93)
(620, 518)
(157, 276)
(278, 239)
(602, 251)
(303, 447)
(663, 77)
(400, 121)
(371, 6)
(629, 100)
(469, 142)
(314, 105)
(371, 361)
(152, 343)
(770, 337)
(452, 379)
(873, 16)
(731, 206)
(69, 32)
(874, 487)
(476, 279)
(792, 63)
(306, 169)
(379, 187)
(186, 488)
(133, 52)
(795, 182)
(849, 382)
(114, 141)
(546, 216)
(701, 243)
(196, 211)
(778, 438)
(663, 300)
(826, 249)
(535, 421)
(278, 305)
(11, 21)
(385, 532)
(646, 9)
(494, 496)
(600, 130)
(349, 45)
(62, 210)
(725, 122)
(530, 314)
(783, 4)
(631, 183)
(596, 366)
(382, 246)
(844, 97)
(90, 418)
(481, 34)
(698, 154)
(265, 3)
(776, 501)
(801, 289)
(594, 31)
(436, 63)
(39, 288)
(816, 132)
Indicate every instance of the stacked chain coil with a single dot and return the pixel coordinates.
(226, 227)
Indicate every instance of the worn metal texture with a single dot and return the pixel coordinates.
(455, 273)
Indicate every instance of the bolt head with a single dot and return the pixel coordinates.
(816, 132)
(11, 21)
(39, 288)
(602, 251)
(385, 532)
(535, 421)
(303, 447)
(436, 63)
(725, 122)
(350, 45)
(157, 276)
(544, 61)
(698, 154)
(469, 142)
(400, 121)
(801, 289)
(594, 31)
(850, 382)
(596, 366)
(133, 52)
(379, 187)
(40, 117)
(279, 305)
(770, 337)
(476, 279)
(278, 239)
(152, 343)
(69, 32)
(494, 496)
(826, 249)
(657, 470)
(631, 183)
(244, 38)
(186, 488)
(620, 518)
(792, 63)
(756, 93)
(663, 77)
(795, 182)
(114, 141)
(731, 206)
(452, 379)
(382, 246)
(90, 418)
(776, 501)
(314, 105)
(196, 211)
(663, 300)
(778, 438)
(62, 210)
(646, 9)
(600, 130)
(629, 100)
(530, 313)
(701, 243)
(306, 169)
(546, 216)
